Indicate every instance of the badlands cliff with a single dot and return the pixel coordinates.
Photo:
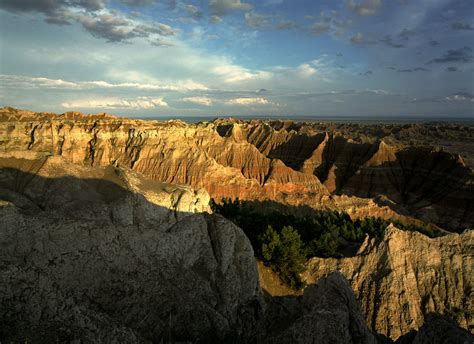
(284, 162)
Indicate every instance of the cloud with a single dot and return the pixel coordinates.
(247, 101)
(117, 28)
(234, 74)
(406, 34)
(159, 42)
(199, 100)
(92, 15)
(193, 11)
(49, 7)
(433, 42)
(461, 55)
(365, 7)
(286, 25)
(367, 73)
(319, 28)
(255, 20)
(24, 82)
(455, 97)
(358, 39)
(361, 39)
(116, 103)
(219, 8)
(329, 22)
(137, 3)
(461, 97)
(387, 40)
(451, 69)
(462, 26)
(215, 19)
(305, 70)
(411, 70)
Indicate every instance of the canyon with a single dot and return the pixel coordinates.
(365, 170)
(107, 234)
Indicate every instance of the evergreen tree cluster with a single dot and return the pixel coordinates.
(284, 242)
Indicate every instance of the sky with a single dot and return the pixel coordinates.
(371, 58)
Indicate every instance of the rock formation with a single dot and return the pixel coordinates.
(409, 272)
(286, 162)
(327, 313)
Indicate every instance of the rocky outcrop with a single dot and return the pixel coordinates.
(327, 313)
(437, 330)
(105, 255)
(411, 273)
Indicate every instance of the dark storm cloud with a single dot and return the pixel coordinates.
(451, 69)
(365, 7)
(462, 26)
(461, 55)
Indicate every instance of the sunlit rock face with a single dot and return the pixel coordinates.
(288, 163)
(410, 273)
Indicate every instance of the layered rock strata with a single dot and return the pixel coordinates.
(289, 163)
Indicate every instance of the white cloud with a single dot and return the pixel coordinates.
(233, 73)
(248, 101)
(462, 97)
(199, 100)
(116, 103)
(305, 70)
(32, 82)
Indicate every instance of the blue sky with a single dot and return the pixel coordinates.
(235, 57)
